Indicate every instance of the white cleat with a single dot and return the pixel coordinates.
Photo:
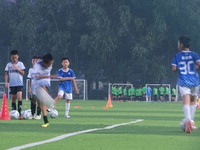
(37, 117)
(193, 126)
(67, 117)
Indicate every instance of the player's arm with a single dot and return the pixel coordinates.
(75, 86)
(198, 63)
(65, 79)
(49, 76)
(6, 79)
(19, 70)
(29, 87)
(174, 68)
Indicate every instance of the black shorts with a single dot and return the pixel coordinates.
(15, 89)
(173, 95)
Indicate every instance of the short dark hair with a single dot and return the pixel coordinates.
(14, 52)
(65, 58)
(185, 40)
(36, 57)
(47, 58)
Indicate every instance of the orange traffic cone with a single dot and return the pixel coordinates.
(4, 114)
(109, 104)
(199, 104)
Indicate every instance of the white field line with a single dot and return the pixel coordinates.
(71, 134)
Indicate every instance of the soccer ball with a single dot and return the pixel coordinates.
(14, 114)
(53, 113)
(182, 124)
(26, 114)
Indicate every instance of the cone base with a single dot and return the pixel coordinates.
(109, 106)
(3, 118)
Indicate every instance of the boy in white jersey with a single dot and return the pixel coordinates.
(33, 101)
(15, 71)
(188, 79)
(41, 78)
(67, 78)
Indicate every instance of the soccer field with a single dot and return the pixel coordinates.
(159, 129)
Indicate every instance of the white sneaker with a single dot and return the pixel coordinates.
(37, 117)
(67, 116)
(32, 116)
(193, 126)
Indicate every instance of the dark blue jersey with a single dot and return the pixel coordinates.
(185, 62)
(66, 86)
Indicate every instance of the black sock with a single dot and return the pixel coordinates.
(38, 110)
(45, 119)
(13, 106)
(33, 107)
(19, 107)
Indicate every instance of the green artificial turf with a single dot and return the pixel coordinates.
(160, 129)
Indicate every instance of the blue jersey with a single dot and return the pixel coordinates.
(66, 86)
(185, 62)
(148, 91)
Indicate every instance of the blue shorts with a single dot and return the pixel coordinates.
(148, 95)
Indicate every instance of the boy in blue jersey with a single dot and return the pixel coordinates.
(15, 71)
(188, 79)
(149, 94)
(41, 79)
(67, 78)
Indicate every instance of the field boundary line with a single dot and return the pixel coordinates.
(71, 134)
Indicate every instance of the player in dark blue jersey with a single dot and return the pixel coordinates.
(67, 79)
(188, 79)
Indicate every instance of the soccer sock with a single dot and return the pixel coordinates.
(52, 106)
(192, 111)
(186, 109)
(19, 107)
(13, 106)
(33, 107)
(67, 109)
(45, 119)
(38, 111)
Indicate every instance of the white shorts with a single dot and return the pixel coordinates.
(67, 95)
(188, 91)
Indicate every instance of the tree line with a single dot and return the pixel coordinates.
(106, 40)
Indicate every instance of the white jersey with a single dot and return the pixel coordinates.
(30, 72)
(40, 70)
(15, 78)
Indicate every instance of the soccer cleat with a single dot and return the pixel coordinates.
(32, 116)
(193, 126)
(188, 127)
(67, 116)
(48, 110)
(37, 117)
(45, 125)
(20, 118)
